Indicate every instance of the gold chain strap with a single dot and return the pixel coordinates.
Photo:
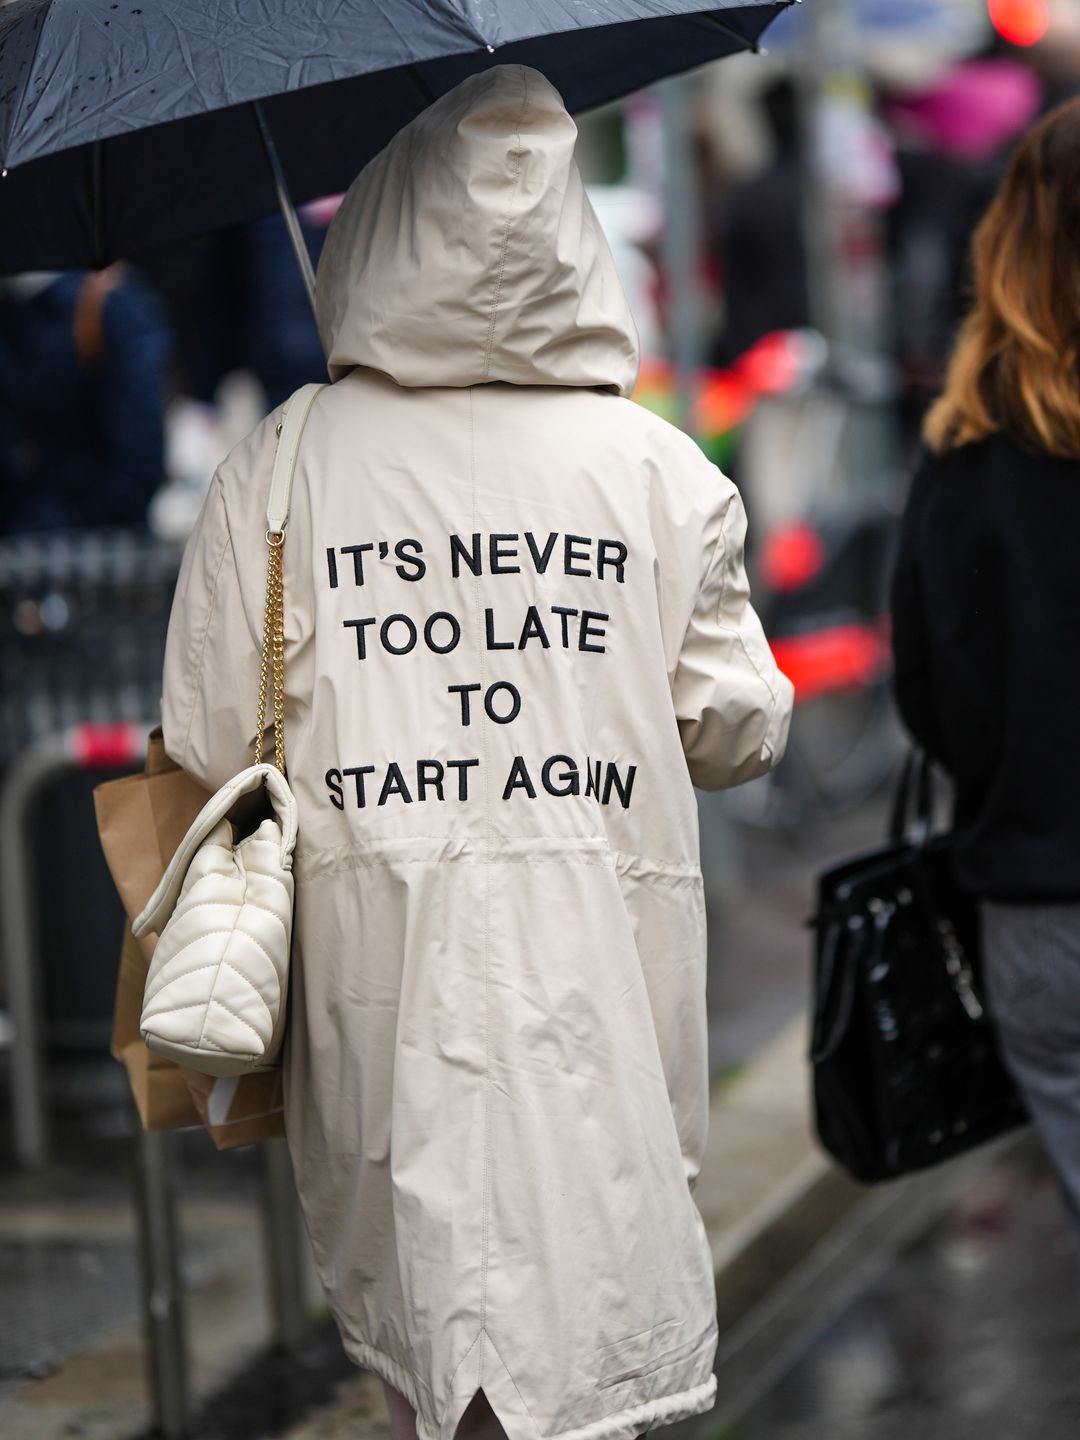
(273, 652)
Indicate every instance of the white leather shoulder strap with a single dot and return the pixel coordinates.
(293, 420)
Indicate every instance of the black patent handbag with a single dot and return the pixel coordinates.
(906, 1068)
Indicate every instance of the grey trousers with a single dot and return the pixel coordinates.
(1031, 955)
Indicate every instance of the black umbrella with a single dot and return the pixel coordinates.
(125, 126)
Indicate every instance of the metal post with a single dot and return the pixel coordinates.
(681, 243)
(847, 284)
(87, 746)
(682, 267)
(163, 1291)
(283, 1239)
(288, 210)
(823, 27)
(152, 1180)
(21, 945)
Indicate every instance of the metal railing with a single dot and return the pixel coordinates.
(83, 747)
(82, 630)
(111, 747)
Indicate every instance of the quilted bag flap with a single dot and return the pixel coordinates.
(214, 814)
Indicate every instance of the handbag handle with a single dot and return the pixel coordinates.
(290, 429)
(916, 777)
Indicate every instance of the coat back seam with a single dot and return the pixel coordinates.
(504, 244)
(486, 1167)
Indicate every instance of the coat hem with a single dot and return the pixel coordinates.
(621, 1425)
(651, 1414)
(386, 1368)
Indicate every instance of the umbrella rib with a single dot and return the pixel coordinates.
(16, 111)
(754, 46)
(421, 84)
(288, 210)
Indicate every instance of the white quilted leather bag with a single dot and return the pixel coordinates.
(216, 989)
(217, 984)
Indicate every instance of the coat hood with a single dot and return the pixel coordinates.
(467, 251)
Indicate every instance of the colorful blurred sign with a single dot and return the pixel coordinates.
(943, 20)
(776, 365)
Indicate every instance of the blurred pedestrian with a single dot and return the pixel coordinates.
(759, 244)
(236, 301)
(954, 132)
(82, 369)
(283, 350)
(986, 615)
(519, 631)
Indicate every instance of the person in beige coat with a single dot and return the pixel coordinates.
(518, 633)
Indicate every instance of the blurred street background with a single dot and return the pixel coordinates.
(791, 228)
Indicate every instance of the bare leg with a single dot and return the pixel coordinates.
(402, 1414)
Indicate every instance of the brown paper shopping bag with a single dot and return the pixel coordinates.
(141, 821)
(238, 1109)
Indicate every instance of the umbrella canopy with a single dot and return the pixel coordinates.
(126, 126)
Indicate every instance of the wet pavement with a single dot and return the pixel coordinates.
(759, 888)
(972, 1331)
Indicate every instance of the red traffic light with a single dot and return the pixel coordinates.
(1020, 22)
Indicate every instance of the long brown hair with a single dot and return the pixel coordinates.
(1015, 363)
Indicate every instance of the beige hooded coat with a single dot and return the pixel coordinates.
(518, 632)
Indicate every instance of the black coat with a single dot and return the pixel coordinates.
(986, 638)
(81, 442)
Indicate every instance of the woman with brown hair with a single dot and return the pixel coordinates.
(986, 617)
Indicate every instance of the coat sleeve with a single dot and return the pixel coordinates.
(212, 656)
(912, 674)
(732, 703)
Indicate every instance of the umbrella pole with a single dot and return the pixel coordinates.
(288, 210)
